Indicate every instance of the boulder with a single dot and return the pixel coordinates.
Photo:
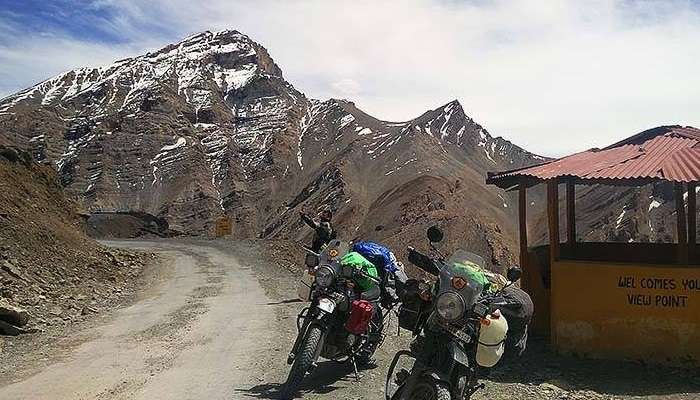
(13, 315)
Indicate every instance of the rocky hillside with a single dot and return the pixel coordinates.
(209, 127)
(48, 266)
(619, 214)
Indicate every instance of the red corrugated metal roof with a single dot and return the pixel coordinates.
(668, 153)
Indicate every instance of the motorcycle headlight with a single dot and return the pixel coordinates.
(324, 276)
(450, 306)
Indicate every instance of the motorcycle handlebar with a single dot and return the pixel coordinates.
(366, 275)
(422, 261)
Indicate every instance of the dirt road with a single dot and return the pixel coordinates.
(217, 323)
(200, 333)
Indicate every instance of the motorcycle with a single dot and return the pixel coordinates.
(457, 325)
(336, 324)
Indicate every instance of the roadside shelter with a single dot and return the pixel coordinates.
(616, 300)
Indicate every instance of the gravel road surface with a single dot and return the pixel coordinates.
(216, 320)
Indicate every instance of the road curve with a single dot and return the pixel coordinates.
(202, 333)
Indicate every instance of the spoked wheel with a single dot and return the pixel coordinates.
(302, 363)
(429, 389)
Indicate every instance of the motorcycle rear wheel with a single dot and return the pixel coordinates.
(302, 362)
(430, 389)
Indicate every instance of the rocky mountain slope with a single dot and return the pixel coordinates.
(634, 214)
(48, 266)
(209, 127)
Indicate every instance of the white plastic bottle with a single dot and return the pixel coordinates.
(494, 329)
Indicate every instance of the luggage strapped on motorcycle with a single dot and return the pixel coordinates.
(390, 272)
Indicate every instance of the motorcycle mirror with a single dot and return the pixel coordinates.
(311, 260)
(514, 273)
(435, 234)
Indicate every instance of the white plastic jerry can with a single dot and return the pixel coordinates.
(492, 336)
(304, 288)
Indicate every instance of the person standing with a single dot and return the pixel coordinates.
(323, 230)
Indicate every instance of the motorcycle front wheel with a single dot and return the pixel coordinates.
(429, 389)
(302, 362)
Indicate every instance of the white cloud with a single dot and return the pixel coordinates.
(552, 76)
(346, 87)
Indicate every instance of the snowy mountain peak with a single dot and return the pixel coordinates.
(453, 104)
(227, 58)
(208, 126)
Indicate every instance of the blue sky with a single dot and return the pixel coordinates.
(52, 18)
(552, 76)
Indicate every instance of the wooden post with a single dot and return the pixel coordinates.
(553, 217)
(681, 224)
(570, 214)
(522, 212)
(692, 218)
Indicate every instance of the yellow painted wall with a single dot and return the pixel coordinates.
(614, 310)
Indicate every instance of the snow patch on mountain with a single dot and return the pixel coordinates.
(168, 155)
(346, 120)
(654, 204)
(308, 120)
(190, 63)
(405, 163)
(216, 150)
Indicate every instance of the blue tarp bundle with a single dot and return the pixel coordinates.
(377, 254)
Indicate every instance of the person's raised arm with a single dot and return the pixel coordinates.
(308, 220)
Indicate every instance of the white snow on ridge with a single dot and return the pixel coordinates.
(364, 131)
(16, 98)
(181, 141)
(483, 141)
(255, 133)
(165, 157)
(228, 79)
(381, 144)
(94, 177)
(144, 72)
(215, 149)
(39, 138)
(443, 129)
(304, 124)
(72, 149)
(460, 133)
(654, 204)
(52, 91)
(427, 128)
(620, 218)
(346, 120)
(400, 166)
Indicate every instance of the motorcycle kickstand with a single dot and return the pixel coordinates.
(354, 367)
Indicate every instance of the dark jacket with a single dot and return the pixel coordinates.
(323, 232)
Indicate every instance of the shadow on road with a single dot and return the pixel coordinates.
(263, 391)
(615, 378)
(288, 301)
(322, 381)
